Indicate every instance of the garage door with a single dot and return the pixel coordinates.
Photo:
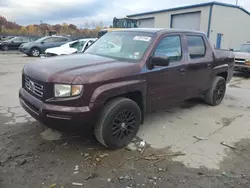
(147, 23)
(186, 21)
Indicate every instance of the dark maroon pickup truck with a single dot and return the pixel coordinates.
(121, 77)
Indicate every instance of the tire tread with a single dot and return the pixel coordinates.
(106, 110)
(208, 98)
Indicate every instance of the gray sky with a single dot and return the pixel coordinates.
(79, 11)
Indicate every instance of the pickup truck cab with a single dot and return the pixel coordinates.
(113, 90)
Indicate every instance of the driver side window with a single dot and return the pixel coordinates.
(170, 46)
(48, 40)
(16, 40)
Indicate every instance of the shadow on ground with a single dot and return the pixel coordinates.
(245, 75)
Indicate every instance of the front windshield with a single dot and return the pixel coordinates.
(129, 46)
(41, 39)
(78, 45)
(245, 48)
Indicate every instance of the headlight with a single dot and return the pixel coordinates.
(63, 90)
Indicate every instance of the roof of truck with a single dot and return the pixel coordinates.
(156, 30)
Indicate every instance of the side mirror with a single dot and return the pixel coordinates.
(160, 61)
(42, 42)
(12, 41)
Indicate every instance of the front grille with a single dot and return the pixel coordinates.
(33, 87)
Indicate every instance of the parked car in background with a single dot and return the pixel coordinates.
(154, 69)
(109, 47)
(3, 38)
(14, 43)
(77, 46)
(104, 31)
(39, 46)
(242, 58)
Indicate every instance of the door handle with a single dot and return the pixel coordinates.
(182, 70)
(209, 65)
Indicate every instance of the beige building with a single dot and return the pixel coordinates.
(226, 25)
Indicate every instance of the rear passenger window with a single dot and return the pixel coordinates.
(47, 40)
(60, 39)
(171, 47)
(196, 47)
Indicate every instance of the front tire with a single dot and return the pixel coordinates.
(5, 48)
(35, 52)
(216, 93)
(118, 124)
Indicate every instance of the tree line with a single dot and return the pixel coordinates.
(12, 28)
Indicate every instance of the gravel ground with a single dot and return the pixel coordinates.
(31, 155)
(10, 52)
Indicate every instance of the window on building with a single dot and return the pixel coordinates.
(196, 47)
(170, 46)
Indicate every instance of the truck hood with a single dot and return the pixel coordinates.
(79, 69)
(61, 50)
(242, 55)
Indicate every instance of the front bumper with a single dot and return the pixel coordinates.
(242, 67)
(23, 50)
(49, 55)
(48, 113)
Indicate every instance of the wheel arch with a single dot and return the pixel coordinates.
(134, 90)
(222, 71)
(34, 47)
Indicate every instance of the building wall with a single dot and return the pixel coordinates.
(233, 23)
(163, 20)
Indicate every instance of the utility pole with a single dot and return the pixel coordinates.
(236, 2)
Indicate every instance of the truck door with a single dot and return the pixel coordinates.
(199, 70)
(166, 85)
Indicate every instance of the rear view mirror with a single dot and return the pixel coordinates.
(160, 61)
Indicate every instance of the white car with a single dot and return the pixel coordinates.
(109, 47)
(71, 47)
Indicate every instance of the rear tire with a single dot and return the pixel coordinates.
(35, 52)
(118, 124)
(216, 93)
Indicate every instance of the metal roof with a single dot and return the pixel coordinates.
(148, 30)
(155, 30)
(192, 6)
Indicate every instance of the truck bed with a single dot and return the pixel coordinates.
(225, 57)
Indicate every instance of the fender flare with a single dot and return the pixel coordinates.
(220, 69)
(110, 90)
